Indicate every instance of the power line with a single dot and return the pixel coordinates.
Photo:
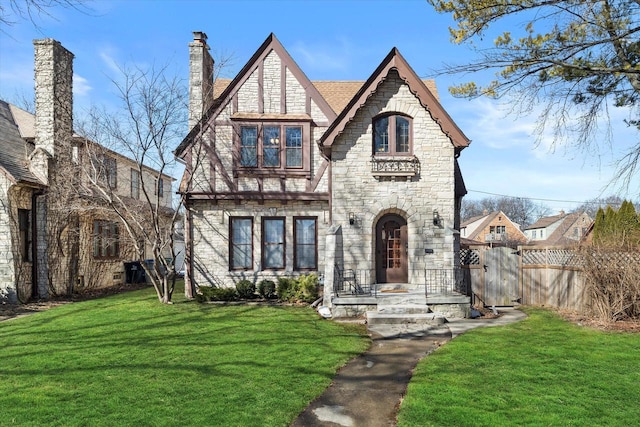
(542, 200)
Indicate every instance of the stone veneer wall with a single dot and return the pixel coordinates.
(356, 190)
(210, 235)
(7, 266)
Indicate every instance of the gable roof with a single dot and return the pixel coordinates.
(557, 237)
(337, 93)
(15, 149)
(271, 43)
(546, 221)
(395, 61)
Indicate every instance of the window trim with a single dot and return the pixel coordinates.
(232, 243)
(392, 141)
(263, 243)
(135, 194)
(25, 222)
(106, 230)
(282, 169)
(295, 243)
(159, 187)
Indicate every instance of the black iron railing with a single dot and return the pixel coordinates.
(447, 281)
(351, 282)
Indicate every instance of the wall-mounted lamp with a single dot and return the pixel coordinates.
(436, 218)
(352, 218)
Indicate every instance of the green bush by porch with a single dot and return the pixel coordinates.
(127, 360)
(541, 371)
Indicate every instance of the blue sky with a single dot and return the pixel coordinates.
(330, 40)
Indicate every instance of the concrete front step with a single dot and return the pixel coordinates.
(377, 318)
(403, 309)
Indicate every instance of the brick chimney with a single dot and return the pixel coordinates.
(54, 104)
(200, 78)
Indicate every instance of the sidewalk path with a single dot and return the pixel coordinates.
(368, 390)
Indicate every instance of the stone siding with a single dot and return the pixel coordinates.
(7, 265)
(210, 233)
(271, 83)
(296, 95)
(356, 190)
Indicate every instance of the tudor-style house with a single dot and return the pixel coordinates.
(287, 176)
(56, 237)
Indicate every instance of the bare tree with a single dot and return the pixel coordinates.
(520, 210)
(12, 11)
(150, 123)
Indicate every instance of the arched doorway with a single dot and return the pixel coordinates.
(392, 249)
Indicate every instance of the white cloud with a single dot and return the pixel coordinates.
(81, 85)
(107, 56)
(322, 56)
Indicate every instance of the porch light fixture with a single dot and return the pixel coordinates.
(436, 218)
(352, 218)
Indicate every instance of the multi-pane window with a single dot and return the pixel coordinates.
(271, 147)
(264, 147)
(249, 146)
(106, 169)
(392, 135)
(24, 228)
(306, 248)
(294, 147)
(106, 239)
(135, 184)
(273, 243)
(241, 242)
(160, 187)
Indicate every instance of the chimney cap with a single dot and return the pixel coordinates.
(200, 36)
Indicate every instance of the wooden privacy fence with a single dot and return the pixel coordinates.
(533, 275)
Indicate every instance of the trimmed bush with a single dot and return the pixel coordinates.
(267, 289)
(209, 293)
(307, 289)
(286, 289)
(246, 289)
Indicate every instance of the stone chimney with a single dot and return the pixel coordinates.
(54, 104)
(200, 78)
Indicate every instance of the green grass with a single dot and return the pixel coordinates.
(542, 371)
(129, 360)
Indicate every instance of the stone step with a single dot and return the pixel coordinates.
(375, 318)
(403, 309)
(399, 299)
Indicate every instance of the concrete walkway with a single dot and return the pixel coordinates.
(368, 390)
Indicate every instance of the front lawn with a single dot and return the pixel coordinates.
(129, 360)
(543, 371)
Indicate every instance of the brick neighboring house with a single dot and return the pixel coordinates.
(294, 176)
(561, 229)
(47, 247)
(493, 228)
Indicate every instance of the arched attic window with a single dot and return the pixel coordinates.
(392, 135)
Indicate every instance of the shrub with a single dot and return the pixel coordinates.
(267, 289)
(209, 293)
(307, 289)
(286, 289)
(246, 289)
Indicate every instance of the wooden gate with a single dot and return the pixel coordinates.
(500, 276)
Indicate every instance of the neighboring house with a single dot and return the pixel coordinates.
(561, 229)
(287, 176)
(494, 228)
(55, 237)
